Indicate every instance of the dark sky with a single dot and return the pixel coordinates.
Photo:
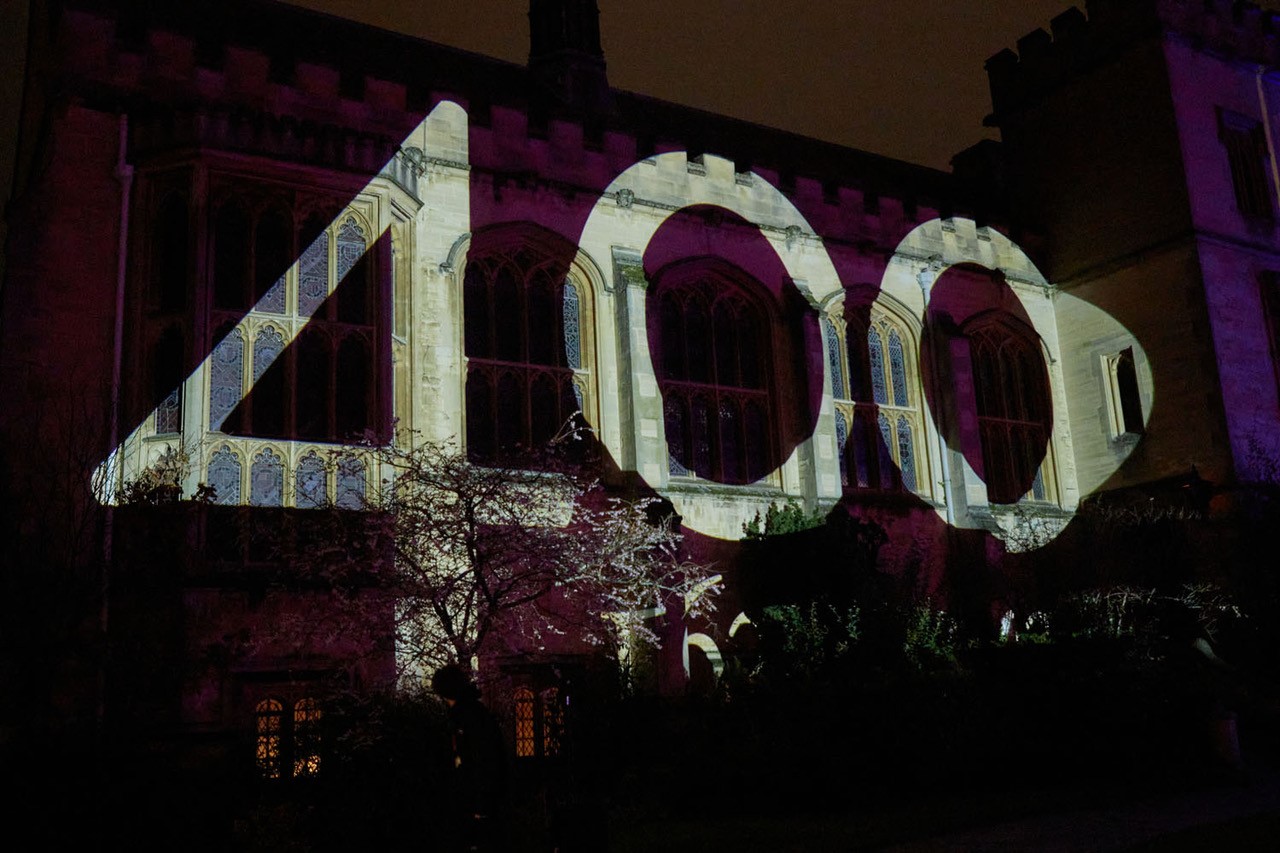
(900, 77)
(897, 77)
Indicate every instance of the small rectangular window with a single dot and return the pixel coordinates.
(1245, 142)
(1124, 401)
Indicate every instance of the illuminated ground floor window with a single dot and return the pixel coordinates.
(539, 722)
(287, 738)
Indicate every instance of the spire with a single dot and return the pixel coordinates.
(565, 54)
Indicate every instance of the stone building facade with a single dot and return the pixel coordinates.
(253, 234)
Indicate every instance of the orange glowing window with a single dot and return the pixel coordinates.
(270, 724)
(306, 738)
(524, 723)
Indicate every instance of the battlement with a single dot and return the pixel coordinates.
(1079, 41)
(197, 82)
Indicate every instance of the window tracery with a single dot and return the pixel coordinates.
(714, 377)
(526, 362)
(877, 395)
(266, 479)
(1011, 392)
(294, 353)
(224, 476)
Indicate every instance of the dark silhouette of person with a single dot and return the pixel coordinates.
(1214, 690)
(479, 762)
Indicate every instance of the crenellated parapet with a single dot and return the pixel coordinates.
(266, 79)
(1078, 41)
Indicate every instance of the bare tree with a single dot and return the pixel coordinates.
(467, 560)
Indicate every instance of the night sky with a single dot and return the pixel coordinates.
(903, 78)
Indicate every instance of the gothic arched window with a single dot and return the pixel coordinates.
(311, 482)
(226, 378)
(224, 476)
(313, 270)
(714, 376)
(523, 341)
(269, 386)
(351, 484)
(269, 729)
(306, 737)
(877, 400)
(266, 479)
(1012, 395)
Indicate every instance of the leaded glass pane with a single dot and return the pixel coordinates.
(224, 477)
(906, 454)
(266, 480)
(552, 721)
(572, 327)
(1038, 491)
(272, 301)
(306, 737)
(885, 453)
(897, 368)
(676, 437)
(169, 413)
(730, 443)
(225, 378)
(311, 482)
(267, 347)
(351, 485)
(313, 275)
(524, 722)
(842, 440)
(351, 246)
(833, 359)
(875, 349)
(704, 421)
(270, 722)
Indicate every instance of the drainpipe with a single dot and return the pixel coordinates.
(1266, 127)
(925, 279)
(124, 174)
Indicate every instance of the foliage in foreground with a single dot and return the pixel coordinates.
(465, 560)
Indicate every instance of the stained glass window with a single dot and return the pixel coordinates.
(875, 348)
(572, 327)
(267, 346)
(311, 482)
(906, 454)
(351, 245)
(832, 339)
(313, 275)
(879, 448)
(842, 440)
(351, 484)
(897, 368)
(224, 477)
(169, 414)
(226, 369)
(266, 480)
